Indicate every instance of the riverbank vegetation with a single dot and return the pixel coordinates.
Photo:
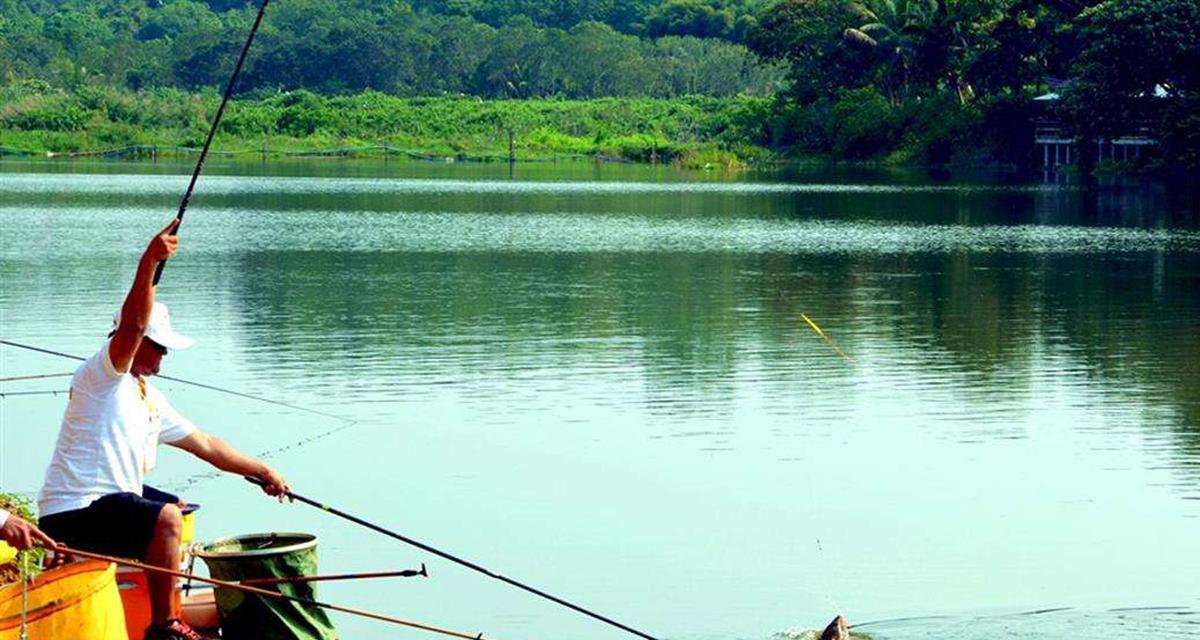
(895, 81)
(695, 131)
(954, 80)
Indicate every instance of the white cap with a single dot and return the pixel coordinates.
(160, 330)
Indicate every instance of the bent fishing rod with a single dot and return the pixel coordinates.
(212, 131)
(453, 558)
(193, 383)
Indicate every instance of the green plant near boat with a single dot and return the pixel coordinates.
(21, 507)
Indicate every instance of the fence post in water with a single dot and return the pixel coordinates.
(512, 156)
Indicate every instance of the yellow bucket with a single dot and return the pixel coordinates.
(188, 534)
(79, 600)
(7, 553)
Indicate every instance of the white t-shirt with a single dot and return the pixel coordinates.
(109, 437)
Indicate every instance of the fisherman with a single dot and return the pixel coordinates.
(94, 497)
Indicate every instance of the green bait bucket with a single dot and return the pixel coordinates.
(248, 616)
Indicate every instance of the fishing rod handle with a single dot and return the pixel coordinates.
(158, 271)
(261, 483)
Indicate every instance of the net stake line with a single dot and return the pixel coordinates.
(193, 383)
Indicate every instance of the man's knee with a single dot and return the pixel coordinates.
(170, 522)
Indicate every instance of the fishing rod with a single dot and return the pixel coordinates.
(212, 131)
(193, 383)
(466, 563)
(407, 573)
(267, 593)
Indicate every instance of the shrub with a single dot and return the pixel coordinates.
(861, 124)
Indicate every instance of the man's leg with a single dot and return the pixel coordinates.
(164, 552)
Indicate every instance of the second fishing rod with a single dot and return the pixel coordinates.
(458, 560)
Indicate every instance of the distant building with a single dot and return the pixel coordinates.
(1059, 149)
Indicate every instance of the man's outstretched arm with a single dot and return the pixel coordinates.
(225, 457)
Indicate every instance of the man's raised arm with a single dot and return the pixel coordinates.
(135, 313)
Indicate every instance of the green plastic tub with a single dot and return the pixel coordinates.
(246, 616)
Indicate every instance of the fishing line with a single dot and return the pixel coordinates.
(193, 480)
(25, 577)
(821, 558)
(37, 377)
(201, 385)
(47, 392)
(466, 563)
(189, 482)
(237, 69)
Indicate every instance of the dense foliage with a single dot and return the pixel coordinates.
(934, 79)
(515, 49)
(729, 19)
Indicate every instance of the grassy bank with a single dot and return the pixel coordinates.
(693, 131)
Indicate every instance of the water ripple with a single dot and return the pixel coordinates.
(223, 230)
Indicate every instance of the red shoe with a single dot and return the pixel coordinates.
(175, 629)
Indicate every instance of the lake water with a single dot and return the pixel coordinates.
(599, 379)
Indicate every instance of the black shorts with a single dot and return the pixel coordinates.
(118, 524)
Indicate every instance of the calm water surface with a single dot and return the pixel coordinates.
(599, 380)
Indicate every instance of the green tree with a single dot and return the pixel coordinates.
(897, 31)
(177, 19)
(806, 35)
(1134, 48)
(698, 18)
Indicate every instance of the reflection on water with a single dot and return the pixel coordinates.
(602, 383)
(1048, 624)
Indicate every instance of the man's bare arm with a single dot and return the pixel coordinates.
(225, 457)
(135, 313)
